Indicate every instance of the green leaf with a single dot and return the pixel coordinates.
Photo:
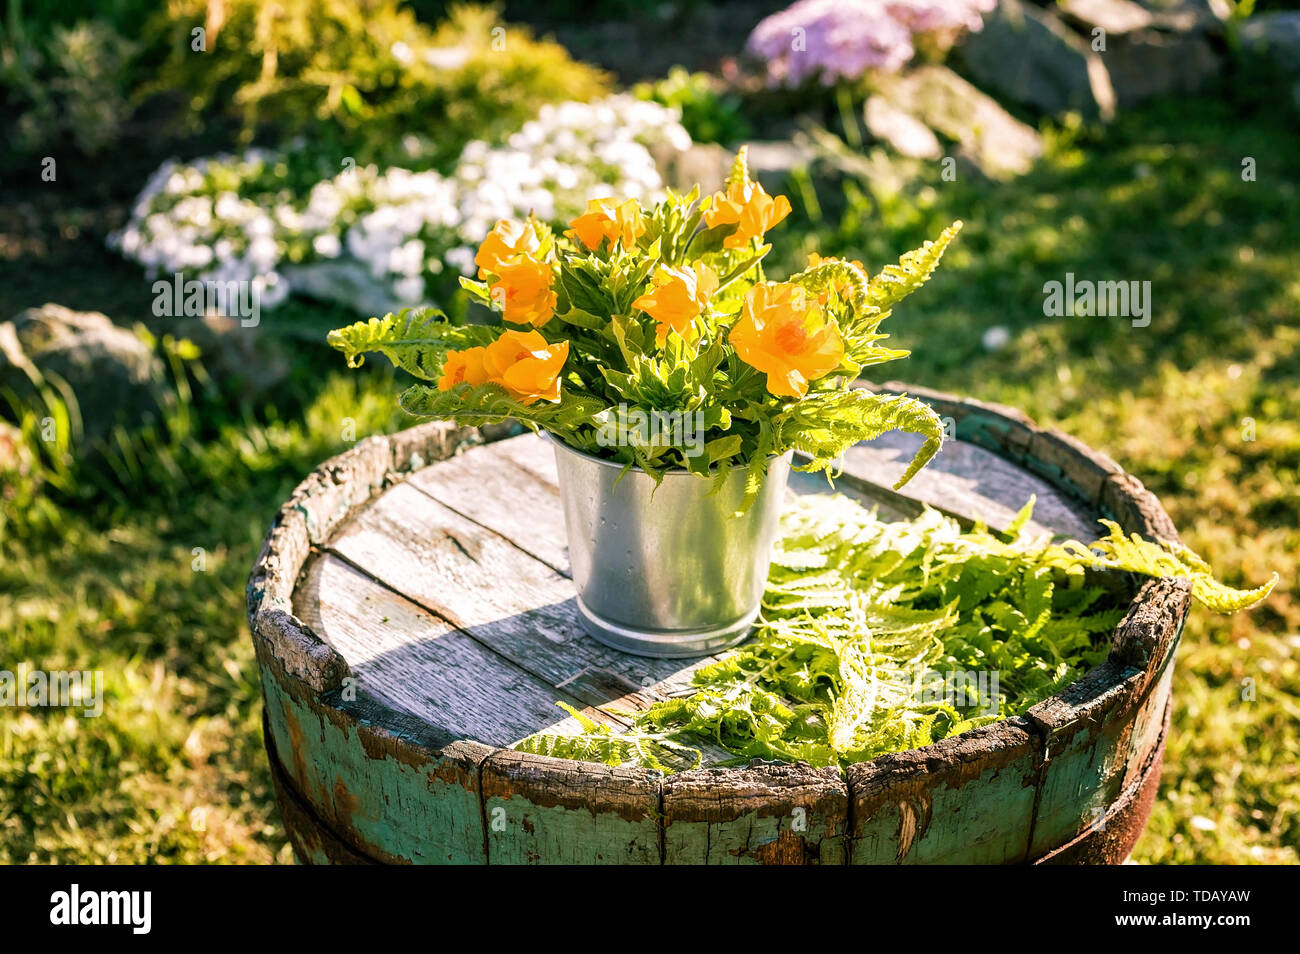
(414, 340)
(826, 424)
(583, 319)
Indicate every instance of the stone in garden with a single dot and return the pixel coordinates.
(706, 163)
(1188, 15)
(1158, 63)
(1275, 36)
(905, 133)
(1030, 56)
(1116, 17)
(996, 143)
(772, 162)
(114, 376)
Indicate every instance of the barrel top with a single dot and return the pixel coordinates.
(413, 616)
(448, 594)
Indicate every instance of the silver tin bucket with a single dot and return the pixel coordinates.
(673, 574)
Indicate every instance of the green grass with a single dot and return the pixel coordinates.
(174, 770)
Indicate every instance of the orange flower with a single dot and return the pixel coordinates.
(677, 298)
(524, 291)
(462, 366)
(747, 206)
(621, 223)
(783, 334)
(526, 366)
(506, 244)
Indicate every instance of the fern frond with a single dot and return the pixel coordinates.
(599, 742)
(739, 167)
(826, 424)
(416, 341)
(866, 624)
(834, 274)
(489, 404)
(895, 282)
(1132, 553)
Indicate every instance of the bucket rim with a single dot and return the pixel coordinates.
(674, 472)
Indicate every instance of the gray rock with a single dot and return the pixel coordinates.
(1156, 63)
(1188, 16)
(112, 374)
(1275, 36)
(704, 163)
(770, 162)
(1030, 56)
(1116, 17)
(906, 134)
(992, 140)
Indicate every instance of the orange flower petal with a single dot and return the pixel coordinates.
(781, 332)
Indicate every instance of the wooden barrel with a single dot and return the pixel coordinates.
(413, 618)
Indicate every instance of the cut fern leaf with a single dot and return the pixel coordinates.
(416, 341)
(826, 424)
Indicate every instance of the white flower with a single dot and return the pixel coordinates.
(263, 253)
(461, 258)
(399, 224)
(408, 259)
(229, 207)
(288, 218)
(327, 245)
(196, 256)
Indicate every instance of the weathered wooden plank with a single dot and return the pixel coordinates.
(324, 499)
(1125, 500)
(1148, 722)
(1102, 730)
(550, 811)
(964, 800)
(763, 814)
(510, 487)
(421, 665)
(967, 482)
(1148, 633)
(485, 585)
(399, 797)
(1071, 464)
(418, 447)
(1086, 752)
(1110, 840)
(312, 841)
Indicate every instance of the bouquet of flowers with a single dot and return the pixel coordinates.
(664, 314)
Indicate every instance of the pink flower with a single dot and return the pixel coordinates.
(841, 39)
